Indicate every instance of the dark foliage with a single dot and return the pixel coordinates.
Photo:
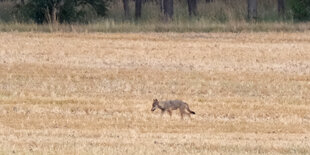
(63, 11)
(300, 9)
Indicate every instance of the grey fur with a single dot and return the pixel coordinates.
(172, 105)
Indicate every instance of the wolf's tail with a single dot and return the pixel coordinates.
(192, 112)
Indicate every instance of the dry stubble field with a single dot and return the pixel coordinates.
(67, 93)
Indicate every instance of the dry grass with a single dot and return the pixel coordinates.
(196, 26)
(67, 93)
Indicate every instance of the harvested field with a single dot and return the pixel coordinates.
(76, 93)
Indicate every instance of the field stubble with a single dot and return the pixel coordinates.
(91, 93)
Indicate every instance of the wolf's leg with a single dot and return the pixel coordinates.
(170, 113)
(189, 115)
(162, 113)
(182, 112)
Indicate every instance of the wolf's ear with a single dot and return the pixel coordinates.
(155, 100)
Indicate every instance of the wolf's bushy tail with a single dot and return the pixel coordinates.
(192, 112)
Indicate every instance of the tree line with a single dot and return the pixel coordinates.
(52, 11)
(166, 6)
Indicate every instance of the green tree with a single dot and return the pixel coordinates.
(52, 11)
(300, 9)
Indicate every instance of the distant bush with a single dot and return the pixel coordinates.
(68, 11)
(300, 9)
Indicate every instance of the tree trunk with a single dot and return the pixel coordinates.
(168, 9)
(192, 7)
(138, 9)
(54, 11)
(126, 8)
(252, 9)
(54, 16)
(281, 7)
(161, 3)
(23, 2)
(209, 1)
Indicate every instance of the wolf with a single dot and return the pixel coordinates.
(171, 105)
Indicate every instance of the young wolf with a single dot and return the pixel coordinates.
(171, 105)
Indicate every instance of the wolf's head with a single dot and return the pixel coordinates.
(154, 105)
